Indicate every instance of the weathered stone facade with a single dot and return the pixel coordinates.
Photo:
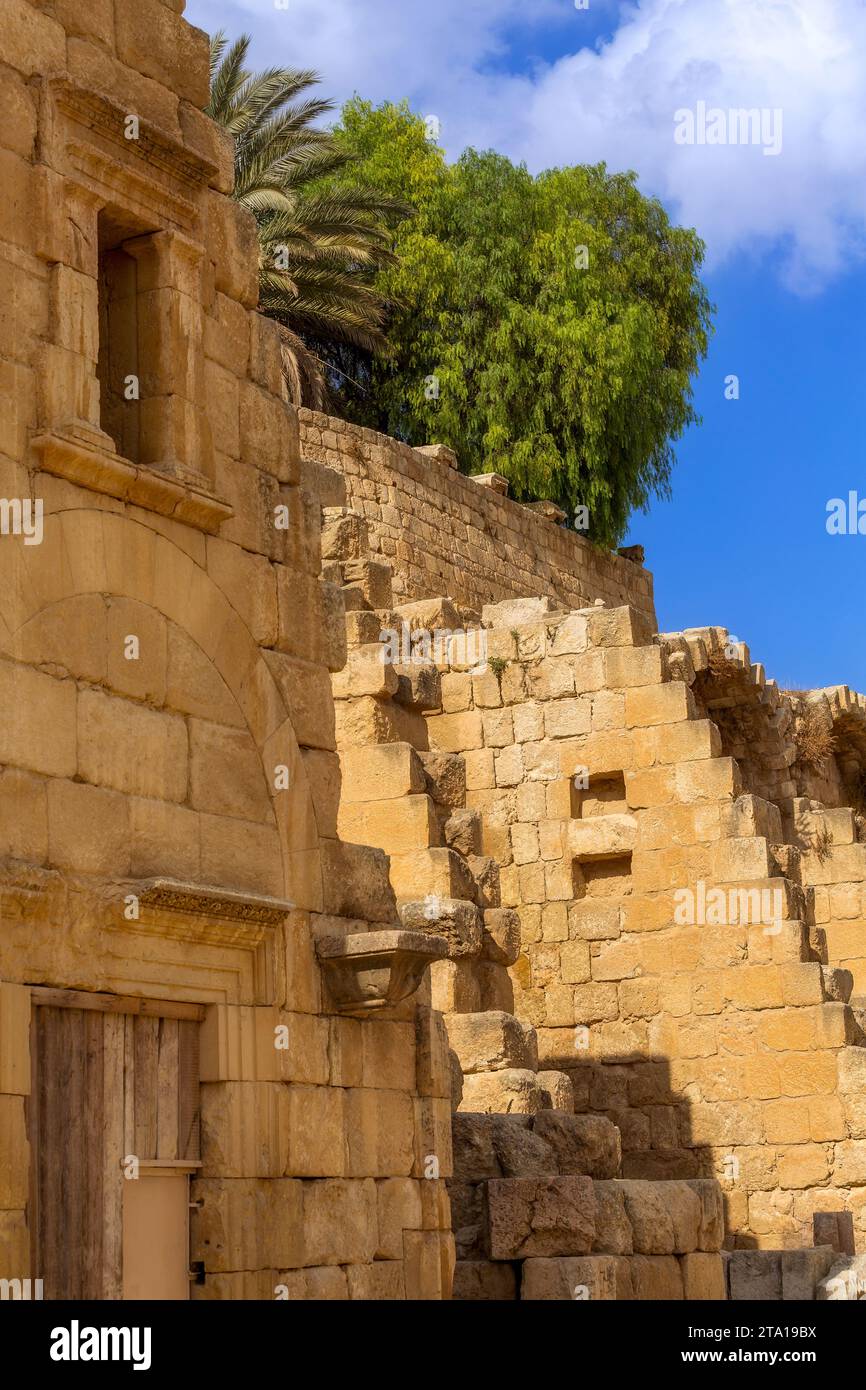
(372, 873)
(169, 785)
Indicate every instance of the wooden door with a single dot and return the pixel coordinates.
(114, 1094)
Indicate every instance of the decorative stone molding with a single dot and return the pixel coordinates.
(81, 458)
(86, 135)
(171, 895)
(368, 972)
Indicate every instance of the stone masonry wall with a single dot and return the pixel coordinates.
(169, 785)
(444, 533)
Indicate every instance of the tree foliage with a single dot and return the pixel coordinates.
(547, 328)
(321, 241)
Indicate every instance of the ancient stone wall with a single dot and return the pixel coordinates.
(169, 782)
(444, 533)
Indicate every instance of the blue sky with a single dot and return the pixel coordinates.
(743, 541)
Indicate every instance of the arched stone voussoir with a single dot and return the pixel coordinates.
(87, 552)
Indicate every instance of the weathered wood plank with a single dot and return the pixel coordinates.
(167, 1112)
(115, 1003)
(113, 1152)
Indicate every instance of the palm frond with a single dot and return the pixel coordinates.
(320, 243)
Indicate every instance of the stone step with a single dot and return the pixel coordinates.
(777, 1276)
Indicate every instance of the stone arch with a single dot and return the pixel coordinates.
(88, 552)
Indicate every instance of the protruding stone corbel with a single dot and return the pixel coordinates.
(368, 972)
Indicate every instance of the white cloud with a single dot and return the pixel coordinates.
(805, 209)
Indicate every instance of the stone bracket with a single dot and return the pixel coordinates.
(369, 972)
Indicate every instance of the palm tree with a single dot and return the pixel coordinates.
(320, 243)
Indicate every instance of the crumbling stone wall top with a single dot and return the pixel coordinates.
(442, 533)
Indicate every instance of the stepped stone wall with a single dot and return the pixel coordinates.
(619, 833)
(538, 949)
(444, 533)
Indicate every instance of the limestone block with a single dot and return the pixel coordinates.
(456, 733)
(484, 1281)
(590, 920)
(585, 1145)
(332, 626)
(232, 246)
(379, 1133)
(432, 1054)
(649, 1217)
(703, 1276)
(133, 749)
(245, 1129)
(381, 1282)
(344, 534)
(454, 988)
(240, 854)
(366, 584)
(38, 729)
(520, 1153)
(659, 704)
(365, 673)
(500, 935)
(462, 832)
(375, 774)
(399, 1209)
(355, 880)
(23, 817)
(755, 1275)
(445, 775)
(485, 874)
(613, 1234)
(516, 612)
(803, 1270)
(633, 666)
(454, 918)
(712, 1224)
(428, 1261)
(152, 39)
(486, 1042)
(366, 720)
(88, 828)
(419, 686)
(226, 773)
(558, 1090)
(602, 837)
(396, 827)
(306, 691)
(737, 860)
(570, 635)
(593, 1277)
(437, 873)
(540, 1217)
(496, 986)
(475, 1152)
(250, 1224)
(618, 627)
(388, 1060)
(503, 1092)
(339, 1225)
(656, 1277)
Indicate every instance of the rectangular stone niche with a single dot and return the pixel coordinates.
(605, 796)
(603, 877)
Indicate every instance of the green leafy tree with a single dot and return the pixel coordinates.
(547, 328)
(321, 242)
